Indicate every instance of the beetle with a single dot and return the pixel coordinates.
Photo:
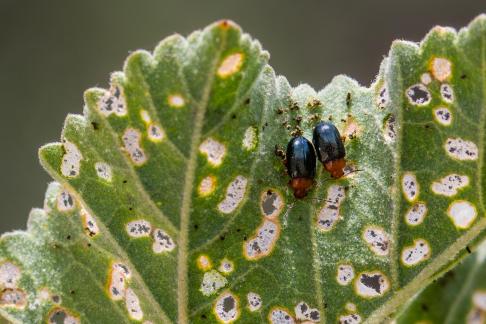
(301, 165)
(329, 148)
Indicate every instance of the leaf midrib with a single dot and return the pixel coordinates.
(183, 242)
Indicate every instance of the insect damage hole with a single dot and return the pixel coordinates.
(371, 284)
(271, 203)
(462, 213)
(443, 116)
(139, 228)
(460, 149)
(60, 315)
(214, 151)
(416, 214)
(345, 274)
(131, 140)
(212, 282)
(71, 161)
(304, 313)
(441, 68)
(280, 315)
(234, 195)
(117, 281)
(249, 138)
(162, 242)
(254, 301)
(450, 184)
(132, 304)
(262, 244)
(230, 65)
(390, 129)
(13, 297)
(377, 240)
(103, 170)
(226, 308)
(418, 95)
(329, 214)
(410, 186)
(447, 93)
(479, 299)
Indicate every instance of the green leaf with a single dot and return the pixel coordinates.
(458, 297)
(170, 204)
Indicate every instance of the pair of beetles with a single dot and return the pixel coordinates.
(301, 157)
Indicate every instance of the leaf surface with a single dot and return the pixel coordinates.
(170, 204)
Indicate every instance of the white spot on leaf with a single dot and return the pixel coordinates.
(345, 274)
(390, 129)
(226, 266)
(176, 101)
(139, 228)
(162, 242)
(377, 240)
(443, 116)
(329, 214)
(441, 68)
(230, 65)
(212, 282)
(131, 140)
(263, 243)
(117, 281)
(204, 263)
(280, 316)
(213, 150)
(371, 284)
(460, 149)
(462, 213)
(89, 223)
(13, 298)
(113, 102)
(383, 98)
(410, 186)
(447, 93)
(418, 252)
(71, 161)
(416, 214)
(479, 300)
(226, 308)
(207, 186)
(254, 301)
(133, 305)
(155, 133)
(9, 275)
(145, 116)
(103, 170)
(234, 195)
(425, 78)
(65, 202)
(449, 185)
(249, 139)
(304, 313)
(418, 95)
(350, 319)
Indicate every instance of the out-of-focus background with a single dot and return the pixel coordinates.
(51, 51)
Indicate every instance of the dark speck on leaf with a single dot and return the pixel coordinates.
(247, 101)
(95, 125)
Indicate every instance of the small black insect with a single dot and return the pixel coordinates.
(329, 148)
(301, 165)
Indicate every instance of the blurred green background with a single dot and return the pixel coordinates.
(51, 51)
